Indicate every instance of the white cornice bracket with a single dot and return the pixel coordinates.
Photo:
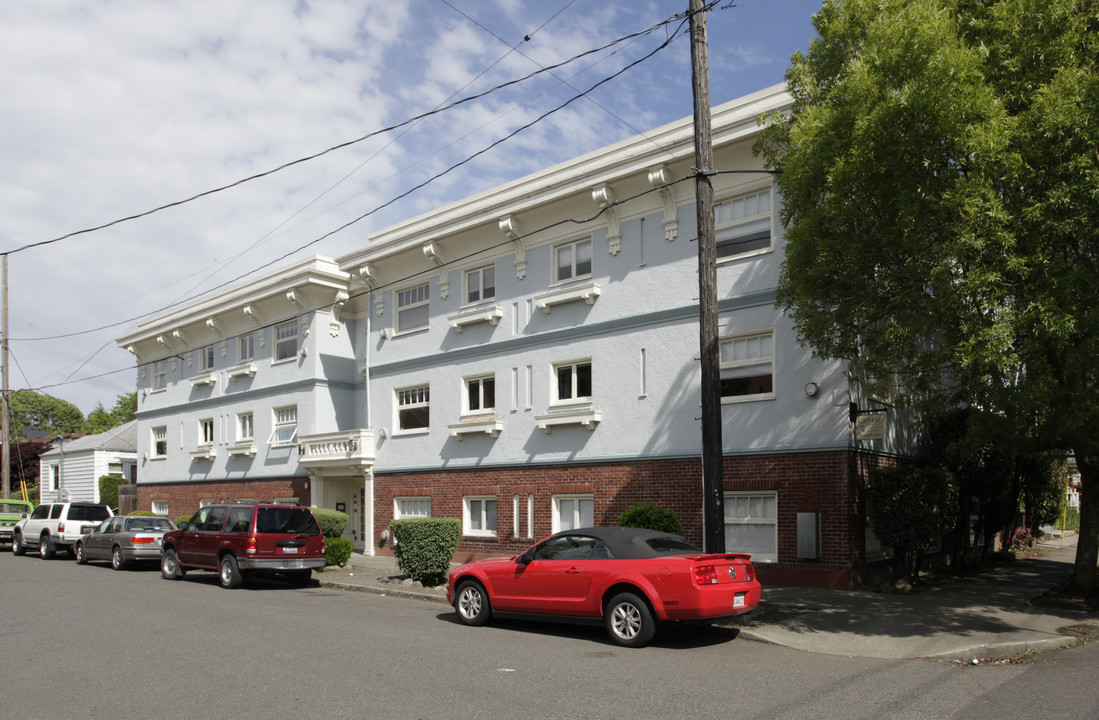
(435, 253)
(337, 306)
(251, 312)
(369, 275)
(292, 296)
(661, 179)
(509, 226)
(213, 325)
(604, 199)
(178, 335)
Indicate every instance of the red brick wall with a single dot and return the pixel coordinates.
(183, 497)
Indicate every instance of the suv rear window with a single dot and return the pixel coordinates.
(297, 521)
(88, 512)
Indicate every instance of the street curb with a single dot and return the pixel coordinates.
(394, 592)
(1005, 650)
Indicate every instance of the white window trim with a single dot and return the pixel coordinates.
(155, 436)
(397, 308)
(276, 425)
(770, 214)
(275, 342)
(398, 515)
(251, 338)
(163, 504)
(466, 302)
(554, 280)
(576, 400)
(397, 407)
(773, 522)
(240, 436)
(749, 363)
(556, 500)
(467, 530)
(206, 358)
(160, 370)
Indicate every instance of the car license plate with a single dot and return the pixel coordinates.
(738, 600)
(291, 550)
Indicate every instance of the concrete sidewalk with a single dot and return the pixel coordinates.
(991, 617)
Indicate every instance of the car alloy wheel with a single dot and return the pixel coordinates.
(228, 573)
(17, 546)
(629, 621)
(117, 561)
(169, 566)
(81, 554)
(471, 603)
(45, 547)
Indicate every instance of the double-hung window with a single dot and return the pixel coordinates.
(412, 307)
(413, 408)
(286, 341)
(572, 260)
(245, 427)
(480, 394)
(286, 426)
(206, 358)
(246, 347)
(748, 367)
(751, 524)
(160, 375)
(573, 511)
(206, 431)
(160, 441)
(479, 516)
(480, 284)
(573, 382)
(743, 224)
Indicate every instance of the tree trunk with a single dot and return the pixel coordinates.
(1087, 550)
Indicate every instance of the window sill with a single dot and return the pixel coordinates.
(244, 449)
(411, 431)
(746, 398)
(491, 315)
(285, 360)
(587, 417)
(210, 379)
(588, 292)
(490, 425)
(248, 369)
(204, 453)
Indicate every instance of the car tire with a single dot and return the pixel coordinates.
(228, 573)
(629, 621)
(169, 566)
(117, 561)
(81, 553)
(17, 546)
(471, 603)
(45, 546)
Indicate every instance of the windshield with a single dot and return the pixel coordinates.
(289, 520)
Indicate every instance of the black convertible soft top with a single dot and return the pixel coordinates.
(627, 542)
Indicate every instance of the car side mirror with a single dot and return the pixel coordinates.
(526, 557)
(183, 525)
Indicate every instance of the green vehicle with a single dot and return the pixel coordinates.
(11, 512)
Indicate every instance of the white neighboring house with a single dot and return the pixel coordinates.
(70, 472)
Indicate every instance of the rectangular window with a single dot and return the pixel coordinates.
(748, 367)
(55, 475)
(573, 381)
(573, 511)
(413, 411)
(286, 341)
(246, 347)
(245, 427)
(160, 375)
(160, 507)
(743, 224)
(206, 358)
(572, 260)
(286, 426)
(481, 284)
(206, 431)
(160, 441)
(751, 522)
(480, 516)
(480, 394)
(412, 307)
(411, 507)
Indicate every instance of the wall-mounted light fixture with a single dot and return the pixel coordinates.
(811, 389)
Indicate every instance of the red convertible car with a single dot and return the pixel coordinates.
(628, 579)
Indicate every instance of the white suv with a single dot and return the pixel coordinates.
(53, 526)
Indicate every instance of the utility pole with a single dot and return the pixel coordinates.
(713, 505)
(5, 428)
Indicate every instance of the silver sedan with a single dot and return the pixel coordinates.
(123, 540)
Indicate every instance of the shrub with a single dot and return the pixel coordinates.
(182, 519)
(332, 522)
(649, 516)
(910, 508)
(143, 513)
(424, 547)
(108, 490)
(337, 551)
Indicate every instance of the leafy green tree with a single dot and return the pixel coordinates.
(101, 420)
(940, 168)
(49, 414)
(910, 508)
(652, 517)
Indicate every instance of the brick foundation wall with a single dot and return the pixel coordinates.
(183, 498)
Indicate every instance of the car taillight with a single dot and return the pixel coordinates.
(252, 545)
(324, 547)
(142, 541)
(60, 527)
(750, 572)
(705, 575)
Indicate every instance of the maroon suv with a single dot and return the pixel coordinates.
(239, 538)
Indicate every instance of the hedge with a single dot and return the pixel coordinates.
(337, 551)
(424, 547)
(649, 516)
(332, 522)
(108, 489)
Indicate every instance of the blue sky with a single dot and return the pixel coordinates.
(111, 108)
